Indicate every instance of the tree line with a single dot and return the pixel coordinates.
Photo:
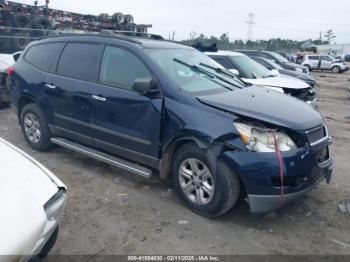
(224, 43)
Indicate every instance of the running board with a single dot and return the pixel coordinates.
(103, 157)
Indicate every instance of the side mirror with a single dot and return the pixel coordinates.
(234, 71)
(143, 85)
(274, 72)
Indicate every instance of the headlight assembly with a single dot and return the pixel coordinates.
(55, 206)
(262, 140)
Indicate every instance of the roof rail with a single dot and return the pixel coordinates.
(131, 33)
(57, 33)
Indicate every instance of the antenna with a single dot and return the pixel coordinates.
(251, 23)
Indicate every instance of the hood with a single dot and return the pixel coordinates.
(266, 105)
(282, 81)
(24, 189)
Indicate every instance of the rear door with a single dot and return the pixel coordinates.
(314, 61)
(70, 90)
(126, 123)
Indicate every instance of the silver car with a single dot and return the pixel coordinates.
(324, 62)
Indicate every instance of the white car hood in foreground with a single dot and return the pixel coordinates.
(25, 186)
(281, 81)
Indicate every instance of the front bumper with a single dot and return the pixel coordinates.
(262, 204)
(259, 172)
(344, 69)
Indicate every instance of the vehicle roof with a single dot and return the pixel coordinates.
(100, 38)
(224, 53)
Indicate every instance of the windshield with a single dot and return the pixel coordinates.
(192, 81)
(279, 58)
(248, 68)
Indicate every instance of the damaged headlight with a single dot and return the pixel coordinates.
(261, 140)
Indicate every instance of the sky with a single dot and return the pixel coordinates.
(292, 19)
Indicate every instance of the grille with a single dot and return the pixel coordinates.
(305, 94)
(316, 135)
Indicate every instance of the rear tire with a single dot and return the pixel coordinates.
(192, 184)
(35, 128)
(308, 68)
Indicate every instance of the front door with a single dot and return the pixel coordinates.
(126, 123)
(326, 62)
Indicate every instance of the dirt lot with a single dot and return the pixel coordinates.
(113, 212)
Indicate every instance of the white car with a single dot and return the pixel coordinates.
(6, 61)
(252, 72)
(324, 62)
(32, 202)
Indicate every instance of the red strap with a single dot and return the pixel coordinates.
(280, 162)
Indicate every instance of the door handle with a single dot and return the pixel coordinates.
(99, 98)
(50, 86)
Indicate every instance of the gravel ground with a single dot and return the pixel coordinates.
(113, 212)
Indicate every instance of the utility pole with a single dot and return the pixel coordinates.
(251, 23)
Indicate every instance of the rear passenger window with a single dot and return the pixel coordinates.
(80, 61)
(44, 56)
(120, 68)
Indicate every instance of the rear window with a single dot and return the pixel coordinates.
(80, 61)
(44, 56)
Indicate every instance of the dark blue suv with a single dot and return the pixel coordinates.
(151, 106)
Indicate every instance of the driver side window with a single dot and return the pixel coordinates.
(120, 68)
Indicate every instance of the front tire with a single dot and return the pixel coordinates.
(35, 128)
(204, 192)
(308, 68)
(335, 69)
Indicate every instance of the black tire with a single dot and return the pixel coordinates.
(17, 8)
(131, 28)
(227, 184)
(44, 142)
(336, 69)
(42, 22)
(22, 21)
(20, 41)
(308, 68)
(128, 19)
(103, 17)
(118, 18)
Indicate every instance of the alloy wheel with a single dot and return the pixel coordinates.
(32, 129)
(196, 181)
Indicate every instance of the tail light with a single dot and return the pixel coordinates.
(10, 71)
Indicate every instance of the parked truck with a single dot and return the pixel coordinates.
(20, 23)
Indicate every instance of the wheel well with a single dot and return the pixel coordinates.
(168, 155)
(23, 102)
(167, 161)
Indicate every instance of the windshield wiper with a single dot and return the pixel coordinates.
(211, 76)
(224, 72)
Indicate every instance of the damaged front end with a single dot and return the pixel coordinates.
(271, 182)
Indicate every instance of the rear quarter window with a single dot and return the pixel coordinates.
(44, 56)
(81, 61)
